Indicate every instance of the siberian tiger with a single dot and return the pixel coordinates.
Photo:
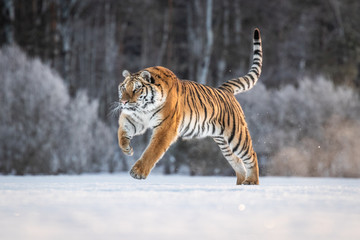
(155, 98)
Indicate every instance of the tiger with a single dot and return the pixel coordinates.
(156, 98)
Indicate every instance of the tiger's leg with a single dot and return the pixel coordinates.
(252, 169)
(124, 142)
(125, 133)
(234, 160)
(242, 147)
(161, 140)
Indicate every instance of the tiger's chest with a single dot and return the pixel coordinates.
(143, 121)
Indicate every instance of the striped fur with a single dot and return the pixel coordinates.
(155, 98)
(242, 84)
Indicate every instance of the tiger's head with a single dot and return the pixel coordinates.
(138, 92)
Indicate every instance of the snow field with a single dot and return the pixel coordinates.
(177, 207)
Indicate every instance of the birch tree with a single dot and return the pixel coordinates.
(204, 67)
(9, 19)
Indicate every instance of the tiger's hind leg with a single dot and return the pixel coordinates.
(234, 161)
(252, 169)
(241, 146)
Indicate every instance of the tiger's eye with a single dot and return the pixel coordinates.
(137, 89)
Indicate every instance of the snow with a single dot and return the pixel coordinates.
(177, 207)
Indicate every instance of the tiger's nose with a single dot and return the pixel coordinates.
(124, 101)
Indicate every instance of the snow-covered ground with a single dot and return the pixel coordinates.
(177, 207)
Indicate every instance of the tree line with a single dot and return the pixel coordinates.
(90, 42)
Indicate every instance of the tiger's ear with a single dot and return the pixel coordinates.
(125, 73)
(147, 76)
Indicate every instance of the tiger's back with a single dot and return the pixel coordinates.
(207, 111)
(179, 108)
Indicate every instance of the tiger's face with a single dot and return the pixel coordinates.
(138, 92)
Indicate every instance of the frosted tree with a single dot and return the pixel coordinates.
(42, 129)
(292, 128)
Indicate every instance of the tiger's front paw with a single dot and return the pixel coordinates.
(124, 144)
(128, 150)
(139, 171)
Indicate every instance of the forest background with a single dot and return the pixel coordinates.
(61, 63)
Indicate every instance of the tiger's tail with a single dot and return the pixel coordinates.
(242, 84)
